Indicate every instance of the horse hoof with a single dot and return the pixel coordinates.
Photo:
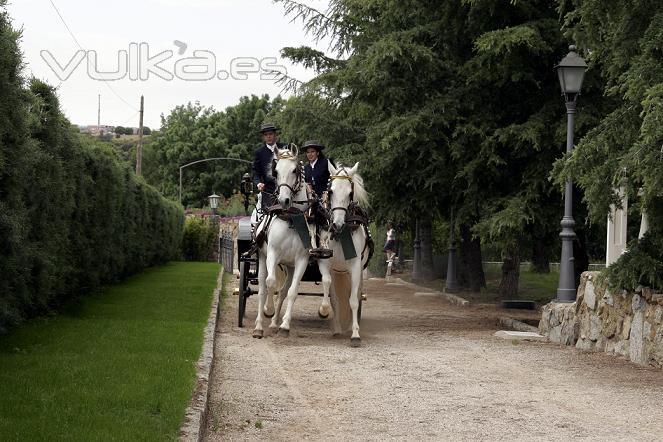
(269, 316)
(355, 342)
(257, 334)
(284, 333)
(323, 316)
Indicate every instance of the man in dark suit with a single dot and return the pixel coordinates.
(264, 157)
(262, 164)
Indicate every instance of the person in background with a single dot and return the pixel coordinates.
(390, 244)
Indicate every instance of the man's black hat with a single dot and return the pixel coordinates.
(268, 127)
(314, 144)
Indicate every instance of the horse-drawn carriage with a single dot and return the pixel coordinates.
(248, 270)
(273, 250)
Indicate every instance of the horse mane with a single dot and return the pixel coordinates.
(361, 196)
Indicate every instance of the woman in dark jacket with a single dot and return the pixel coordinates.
(316, 175)
(316, 171)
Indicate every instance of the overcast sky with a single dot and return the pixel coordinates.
(227, 29)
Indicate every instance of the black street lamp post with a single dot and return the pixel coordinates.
(571, 72)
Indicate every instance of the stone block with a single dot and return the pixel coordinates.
(595, 327)
(608, 299)
(584, 344)
(658, 314)
(590, 295)
(554, 319)
(555, 335)
(637, 303)
(626, 328)
(636, 349)
(611, 324)
(519, 336)
(622, 348)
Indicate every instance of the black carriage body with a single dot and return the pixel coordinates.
(244, 239)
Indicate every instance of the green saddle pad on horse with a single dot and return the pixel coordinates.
(345, 238)
(298, 222)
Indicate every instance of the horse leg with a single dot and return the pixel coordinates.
(262, 291)
(269, 306)
(298, 272)
(336, 320)
(325, 272)
(270, 279)
(280, 297)
(355, 277)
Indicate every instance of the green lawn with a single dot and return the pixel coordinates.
(118, 366)
(539, 287)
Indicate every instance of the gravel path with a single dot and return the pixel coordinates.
(426, 370)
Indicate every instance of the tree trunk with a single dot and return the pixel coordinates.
(470, 261)
(426, 235)
(540, 256)
(510, 273)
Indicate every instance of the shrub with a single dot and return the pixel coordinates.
(200, 238)
(72, 215)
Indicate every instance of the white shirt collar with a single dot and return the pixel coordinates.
(313, 163)
(272, 147)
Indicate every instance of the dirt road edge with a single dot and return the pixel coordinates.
(192, 428)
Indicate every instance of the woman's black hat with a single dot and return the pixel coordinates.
(314, 144)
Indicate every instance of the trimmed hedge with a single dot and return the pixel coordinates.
(72, 215)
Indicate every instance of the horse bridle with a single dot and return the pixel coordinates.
(299, 171)
(341, 177)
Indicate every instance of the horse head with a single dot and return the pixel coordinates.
(289, 176)
(341, 193)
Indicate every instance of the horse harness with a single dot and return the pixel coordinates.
(355, 216)
(277, 211)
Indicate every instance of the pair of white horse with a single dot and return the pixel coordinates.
(283, 247)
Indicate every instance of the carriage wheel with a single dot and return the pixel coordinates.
(243, 286)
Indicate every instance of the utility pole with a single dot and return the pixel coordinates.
(99, 114)
(139, 148)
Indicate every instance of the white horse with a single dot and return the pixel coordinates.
(347, 187)
(283, 246)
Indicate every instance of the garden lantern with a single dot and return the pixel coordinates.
(571, 73)
(214, 201)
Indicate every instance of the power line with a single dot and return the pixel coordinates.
(129, 119)
(57, 11)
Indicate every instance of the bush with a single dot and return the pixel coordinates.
(199, 241)
(72, 215)
(641, 264)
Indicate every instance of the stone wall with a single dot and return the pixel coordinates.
(628, 324)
